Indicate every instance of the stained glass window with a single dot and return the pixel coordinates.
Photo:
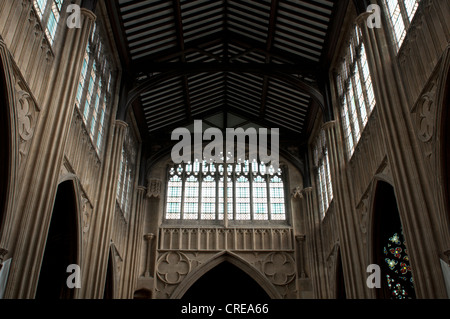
(355, 90)
(397, 268)
(241, 191)
(400, 14)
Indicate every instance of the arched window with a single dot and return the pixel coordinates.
(240, 191)
(355, 90)
(49, 11)
(322, 173)
(400, 14)
(94, 87)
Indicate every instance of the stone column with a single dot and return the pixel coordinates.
(416, 203)
(314, 246)
(300, 244)
(352, 251)
(97, 253)
(134, 244)
(40, 175)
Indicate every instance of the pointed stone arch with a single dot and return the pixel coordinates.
(233, 259)
(9, 160)
(62, 245)
(386, 221)
(443, 123)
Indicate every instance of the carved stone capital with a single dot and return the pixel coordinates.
(297, 193)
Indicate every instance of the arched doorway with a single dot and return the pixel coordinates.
(61, 247)
(226, 282)
(390, 247)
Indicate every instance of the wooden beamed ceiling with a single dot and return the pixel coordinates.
(261, 60)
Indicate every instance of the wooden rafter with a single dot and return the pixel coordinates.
(269, 44)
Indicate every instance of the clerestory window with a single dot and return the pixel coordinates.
(355, 90)
(248, 191)
(49, 12)
(94, 88)
(322, 172)
(400, 14)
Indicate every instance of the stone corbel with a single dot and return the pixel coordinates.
(154, 188)
(297, 193)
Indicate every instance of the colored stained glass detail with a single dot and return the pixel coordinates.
(399, 277)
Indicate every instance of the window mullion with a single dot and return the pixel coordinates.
(269, 209)
(199, 194)
(356, 100)
(250, 183)
(183, 191)
(364, 88)
(233, 180)
(404, 14)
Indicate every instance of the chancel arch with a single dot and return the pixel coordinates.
(234, 260)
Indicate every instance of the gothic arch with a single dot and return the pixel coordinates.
(386, 221)
(233, 259)
(340, 290)
(76, 184)
(442, 147)
(62, 246)
(8, 145)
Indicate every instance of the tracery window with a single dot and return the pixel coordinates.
(322, 173)
(355, 91)
(400, 14)
(240, 191)
(49, 12)
(94, 88)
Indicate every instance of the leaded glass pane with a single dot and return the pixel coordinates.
(208, 198)
(242, 199)
(277, 208)
(174, 189)
(191, 198)
(260, 209)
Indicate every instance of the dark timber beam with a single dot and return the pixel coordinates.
(269, 44)
(180, 37)
(170, 70)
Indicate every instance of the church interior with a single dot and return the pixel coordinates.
(351, 97)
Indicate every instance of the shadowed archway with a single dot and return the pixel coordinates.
(225, 282)
(390, 248)
(61, 247)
